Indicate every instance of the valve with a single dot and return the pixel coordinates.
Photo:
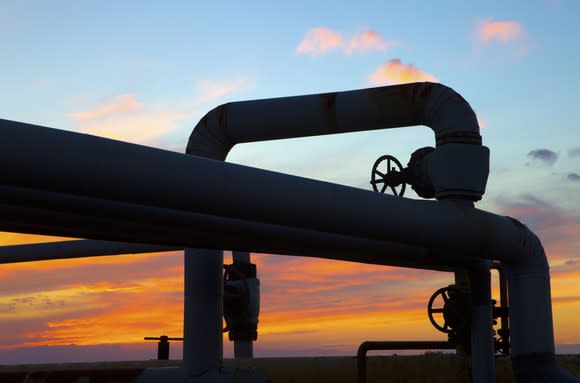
(449, 311)
(385, 175)
(453, 304)
(241, 301)
(389, 174)
(454, 311)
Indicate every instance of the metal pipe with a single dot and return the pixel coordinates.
(155, 179)
(243, 348)
(202, 345)
(430, 104)
(71, 216)
(365, 347)
(482, 342)
(75, 249)
(434, 105)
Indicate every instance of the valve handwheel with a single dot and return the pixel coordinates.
(388, 173)
(449, 310)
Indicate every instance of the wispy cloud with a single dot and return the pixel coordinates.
(509, 35)
(323, 40)
(320, 40)
(502, 31)
(558, 229)
(368, 40)
(139, 128)
(118, 104)
(574, 177)
(395, 72)
(211, 90)
(124, 117)
(574, 152)
(545, 157)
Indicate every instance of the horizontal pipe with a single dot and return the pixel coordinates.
(430, 104)
(76, 216)
(75, 249)
(81, 165)
(365, 347)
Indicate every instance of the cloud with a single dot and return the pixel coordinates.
(139, 128)
(123, 117)
(121, 103)
(368, 40)
(395, 72)
(320, 40)
(213, 90)
(574, 152)
(557, 229)
(108, 300)
(543, 156)
(502, 31)
(574, 177)
(323, 40)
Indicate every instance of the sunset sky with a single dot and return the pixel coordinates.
(146, 72)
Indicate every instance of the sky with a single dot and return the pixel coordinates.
(147, 72)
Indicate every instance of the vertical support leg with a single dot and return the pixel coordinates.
(202, 312)
(463, 283)
(482, 346)
(243, 348)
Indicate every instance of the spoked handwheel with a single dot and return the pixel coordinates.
(388, 174)
(442, 304)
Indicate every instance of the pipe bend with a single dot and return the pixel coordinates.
(527, 252)
(451, 117)
(209, 138)
(434, 105)
(532, 333)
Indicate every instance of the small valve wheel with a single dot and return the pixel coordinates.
(388, 173)
(455, 309)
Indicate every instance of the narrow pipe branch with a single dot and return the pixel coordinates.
(75, 249)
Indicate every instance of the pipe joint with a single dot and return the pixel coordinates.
(210, 138)
(450, 116)
(459, 171)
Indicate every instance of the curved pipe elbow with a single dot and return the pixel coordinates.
(431, 104)
(532, 334)
(209, 138)
(451, 117)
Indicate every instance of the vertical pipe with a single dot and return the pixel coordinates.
(463, 283)
(243, 348)
(482, 346)
(202, 312)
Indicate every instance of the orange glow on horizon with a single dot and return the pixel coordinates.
(305, 301)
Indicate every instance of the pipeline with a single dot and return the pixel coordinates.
(434, 105)
(459, 171)
(156, 192)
